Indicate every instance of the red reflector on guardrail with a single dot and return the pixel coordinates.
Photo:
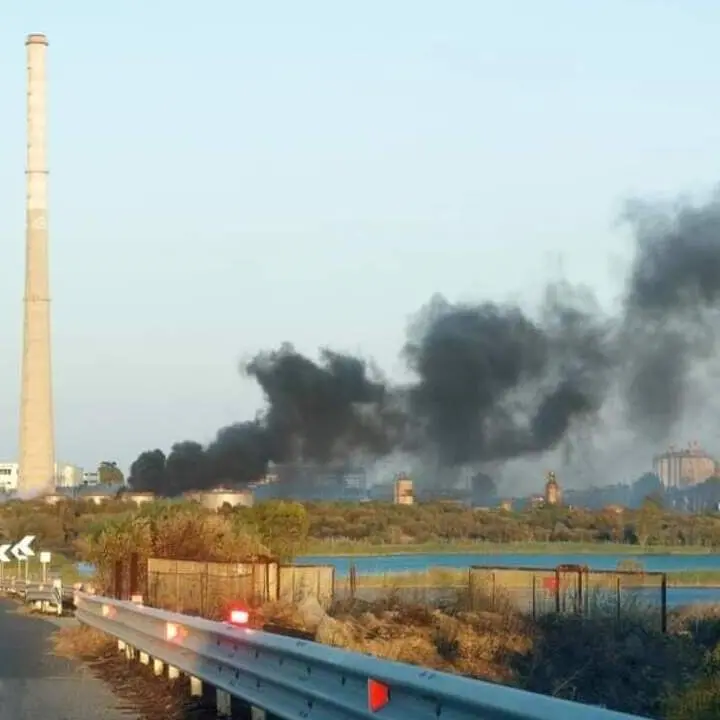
(172, 631)
(239, 617)
(378, 695)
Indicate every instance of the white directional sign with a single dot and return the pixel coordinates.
(4, 557)
(22, 550)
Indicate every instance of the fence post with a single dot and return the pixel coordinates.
(135, 594)
(579, 600)
(617, 598)
(534, 589)
(117, 588)
(663, 603)
(557, 590)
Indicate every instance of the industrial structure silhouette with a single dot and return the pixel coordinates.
(37, 436)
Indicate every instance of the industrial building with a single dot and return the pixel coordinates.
(403, 490)
(66, 475)
(37, 431)
(686, 467)
(218, 497)
(553, 494)
(312, 482)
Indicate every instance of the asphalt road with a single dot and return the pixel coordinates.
(35, 684)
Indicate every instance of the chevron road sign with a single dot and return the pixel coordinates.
(22, 550)
(4, 557)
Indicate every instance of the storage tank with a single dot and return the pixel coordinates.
(215, 499)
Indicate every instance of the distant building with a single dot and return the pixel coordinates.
(403, 494)
(139, 498)
(553, 494)
(8, 477)
(686, 467)
(91, 478)
(215, 499)
(67, 475)
(97, 493)
(311, 482)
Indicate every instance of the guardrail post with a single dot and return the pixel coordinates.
(173, 673)
(196, 688)
(158, 666)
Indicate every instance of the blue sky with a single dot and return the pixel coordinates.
(229, 175)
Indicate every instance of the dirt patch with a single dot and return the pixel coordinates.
(151, 697)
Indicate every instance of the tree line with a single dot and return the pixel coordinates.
(285, 528)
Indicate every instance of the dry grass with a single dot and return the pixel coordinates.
(82, 643)
(468, 642)
(619, 659)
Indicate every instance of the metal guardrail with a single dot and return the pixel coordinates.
(42, 595)
(290, 678)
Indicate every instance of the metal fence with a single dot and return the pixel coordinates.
(199, 593)
(573, 588)
(534, 591)
(209, 589)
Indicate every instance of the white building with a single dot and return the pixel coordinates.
(8, 477)
(66, 476)
(90, 478)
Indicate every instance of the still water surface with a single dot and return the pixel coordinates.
(380, 564)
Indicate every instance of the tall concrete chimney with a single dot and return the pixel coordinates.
(37, 437)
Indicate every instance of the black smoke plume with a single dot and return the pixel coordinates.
(492, 382)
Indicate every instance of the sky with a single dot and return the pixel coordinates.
(226, 176)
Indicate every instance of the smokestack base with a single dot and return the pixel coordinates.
(36, 39)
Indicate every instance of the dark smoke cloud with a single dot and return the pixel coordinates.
(671, 310)
(320, 411)
(492, 383)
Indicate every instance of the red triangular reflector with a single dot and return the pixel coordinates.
(378, 695)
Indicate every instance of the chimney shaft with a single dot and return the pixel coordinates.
(37, 444)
